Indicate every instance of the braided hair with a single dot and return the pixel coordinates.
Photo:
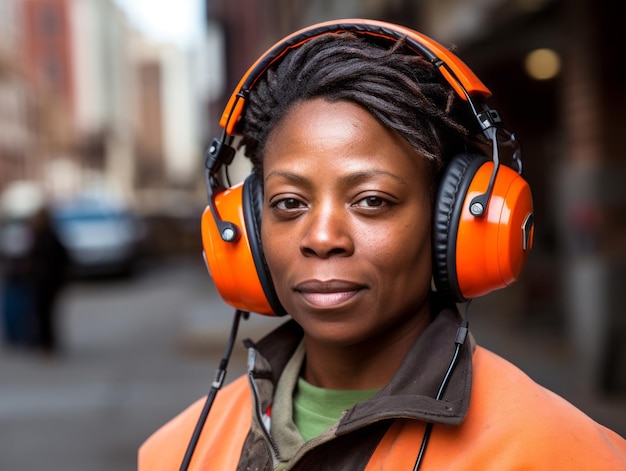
(400, 88)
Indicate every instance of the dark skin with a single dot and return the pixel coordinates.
(346, 234)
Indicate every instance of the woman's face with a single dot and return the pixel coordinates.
(346, 224)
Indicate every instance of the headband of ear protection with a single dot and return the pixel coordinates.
(483, 213)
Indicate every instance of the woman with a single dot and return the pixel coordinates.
(348, 129)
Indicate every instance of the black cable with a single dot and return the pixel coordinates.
(220, 374)
(461, 335)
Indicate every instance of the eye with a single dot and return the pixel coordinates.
(287, 204)
(371, 202)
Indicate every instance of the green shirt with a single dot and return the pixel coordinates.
(317, 409)
(301, 411)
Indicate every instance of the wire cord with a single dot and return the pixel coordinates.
(218, 381)
(461, 335)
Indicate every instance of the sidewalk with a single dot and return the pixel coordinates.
(129, 365)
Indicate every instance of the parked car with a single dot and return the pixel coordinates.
(101, 238)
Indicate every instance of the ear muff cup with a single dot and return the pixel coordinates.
(252, 196)
(473, 256)
(238, 269)
(453, 186)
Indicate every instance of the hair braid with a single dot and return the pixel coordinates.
(399, 87)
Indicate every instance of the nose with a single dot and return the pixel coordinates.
(327, 233)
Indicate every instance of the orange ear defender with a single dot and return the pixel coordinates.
(474, 255)
(237, 265)
(483, 216)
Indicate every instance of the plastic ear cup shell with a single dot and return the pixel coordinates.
(231, 263)
(490, 250)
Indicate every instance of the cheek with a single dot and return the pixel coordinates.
(275, 244)
(281, 257)
(405, 249)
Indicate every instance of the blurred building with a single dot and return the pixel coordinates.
(59, 91)
(46, 52)
(104, 105)
(89, 104)
(17, 131)
(35, 87)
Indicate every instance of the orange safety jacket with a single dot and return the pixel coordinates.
(510, 422)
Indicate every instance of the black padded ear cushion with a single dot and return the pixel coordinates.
(252, 196)
(454, 183)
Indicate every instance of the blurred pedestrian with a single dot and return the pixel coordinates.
(382, 208)
(49, 262)
(18, 317)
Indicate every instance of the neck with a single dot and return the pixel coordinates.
(366, 365)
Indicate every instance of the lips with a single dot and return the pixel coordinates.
(324, 294)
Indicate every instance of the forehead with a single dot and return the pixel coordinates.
(340, 134)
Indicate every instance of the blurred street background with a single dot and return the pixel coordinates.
(135, 353)
(106, 109)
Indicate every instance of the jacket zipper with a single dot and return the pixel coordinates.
(257, 407)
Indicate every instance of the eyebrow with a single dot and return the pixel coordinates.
(351, 179)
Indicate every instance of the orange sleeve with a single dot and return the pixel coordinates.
(223, 434)
(512, 423)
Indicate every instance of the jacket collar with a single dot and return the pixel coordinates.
(411, 392)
